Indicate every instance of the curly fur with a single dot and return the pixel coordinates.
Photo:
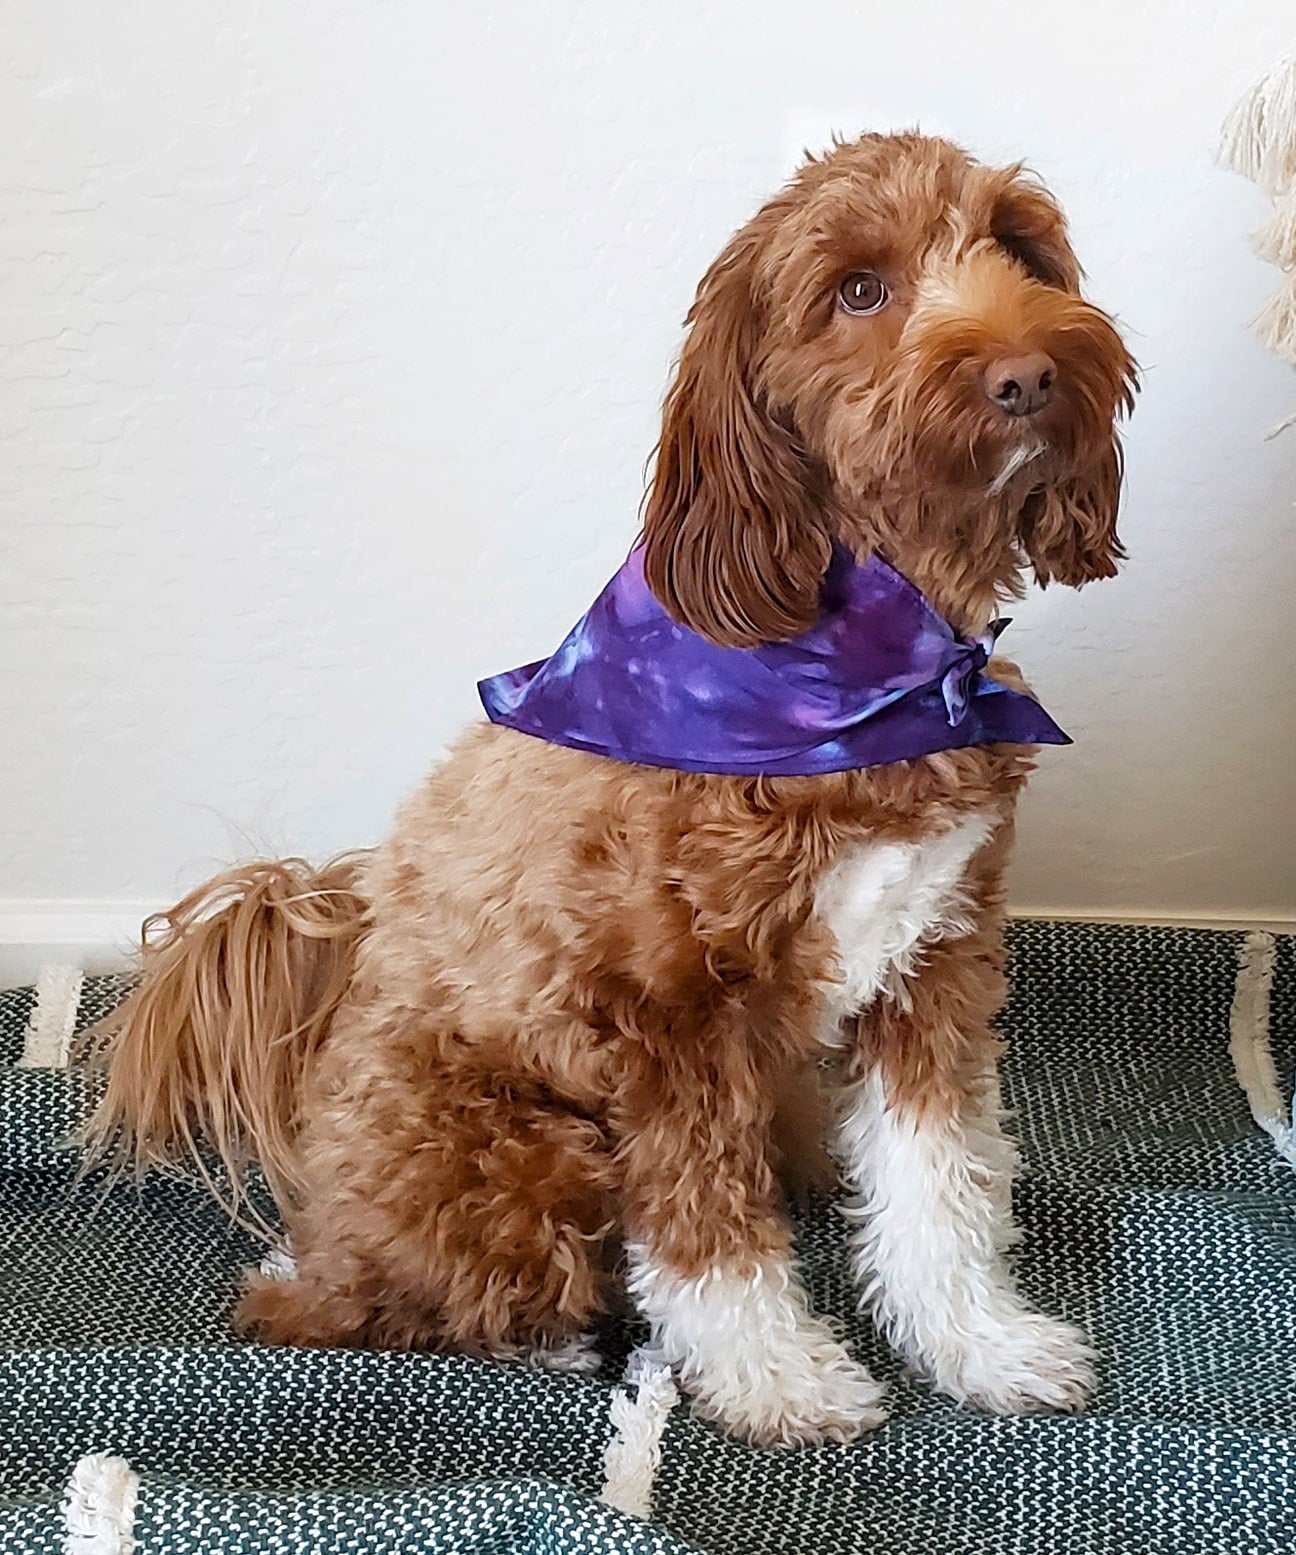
(573, 1006)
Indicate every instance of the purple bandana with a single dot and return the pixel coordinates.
(879, 677)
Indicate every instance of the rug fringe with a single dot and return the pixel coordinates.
(48, 1038)
(278, 1264)
(1249, 1043)
(633, 1455)
(99, 1507)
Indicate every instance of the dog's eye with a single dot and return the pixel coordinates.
(862, 292)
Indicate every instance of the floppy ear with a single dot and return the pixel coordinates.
(1069, 530)
(1028, 225)
(735, 536)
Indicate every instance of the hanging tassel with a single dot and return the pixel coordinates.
(1276, 322)
(1275, 242)
(1259, 141)
(1259, 136)
(1241, 145)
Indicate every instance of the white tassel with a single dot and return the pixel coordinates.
(1275, 242)
(48, 1038)
(279, 1263)
(1275, 324)
(1259, 136)
(99, 1507)
(1241, 145)
(1249, 1042)
(1259, 141)
(633, 1455)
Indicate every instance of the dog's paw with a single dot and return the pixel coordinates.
(753, 1356)
(800, 1397)
(1028, 1364)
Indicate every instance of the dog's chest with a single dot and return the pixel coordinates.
(883, 901)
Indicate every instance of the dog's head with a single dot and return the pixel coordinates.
(898, 323)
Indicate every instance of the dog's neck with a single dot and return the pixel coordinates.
(960, 549)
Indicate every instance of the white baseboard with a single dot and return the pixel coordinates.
(101, 936)
(1135, 917)
(96, 936)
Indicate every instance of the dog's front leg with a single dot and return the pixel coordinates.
(710, 1261)
(922, 1147)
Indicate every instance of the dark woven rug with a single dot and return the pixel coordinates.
(1156, 1214)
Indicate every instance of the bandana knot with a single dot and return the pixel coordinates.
(960, 681)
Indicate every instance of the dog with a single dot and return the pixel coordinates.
(565, 1033)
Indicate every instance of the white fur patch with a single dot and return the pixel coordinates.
(884, 902)
(1017, 460)
(931, 1217)
(753, 1355)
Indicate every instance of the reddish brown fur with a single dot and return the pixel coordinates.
(790, 421)
(582, 985)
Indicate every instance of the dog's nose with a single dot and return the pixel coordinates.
(1020, 385)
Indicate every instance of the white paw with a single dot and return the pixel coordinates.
(792, 1396)
(1024, 1365)
(752, 1354)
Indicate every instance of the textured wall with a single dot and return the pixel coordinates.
(332, 338)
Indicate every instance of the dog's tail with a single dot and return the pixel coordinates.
(240, 982)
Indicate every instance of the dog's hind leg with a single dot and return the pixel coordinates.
(444, 1208)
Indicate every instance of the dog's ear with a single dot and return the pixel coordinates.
(735, 539)
(1027, 224)
(1069, 530)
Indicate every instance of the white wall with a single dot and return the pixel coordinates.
(332, 338)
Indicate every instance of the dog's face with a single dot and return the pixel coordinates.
(898, 323)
